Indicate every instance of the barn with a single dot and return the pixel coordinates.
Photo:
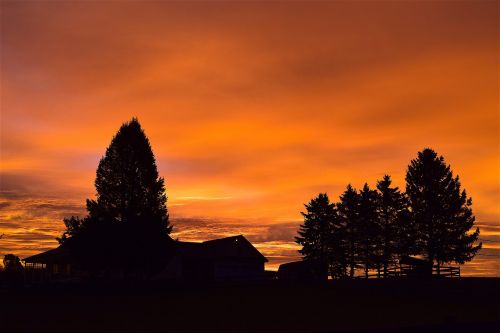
(230, 258)
(301, 271)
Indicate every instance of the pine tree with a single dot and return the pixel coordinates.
(128, 222)
(368, 228)
(393, 223)
(129, 189)
(338, 255)
(441, 211)
(315, 233)
(348, 213)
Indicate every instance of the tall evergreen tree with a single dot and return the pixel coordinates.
(315, 232)
(128, 221)
(348, 213)
(368, 229)
(338, 249)
(441, 211)
(393, 223)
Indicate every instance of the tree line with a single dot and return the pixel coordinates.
(374, 228)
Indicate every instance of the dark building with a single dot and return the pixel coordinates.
(53, 264)
(419, 267)
(301, 271)
(415, 267)
(231, 258)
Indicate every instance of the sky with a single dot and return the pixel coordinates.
(252, 108)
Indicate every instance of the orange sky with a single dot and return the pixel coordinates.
(251, 108)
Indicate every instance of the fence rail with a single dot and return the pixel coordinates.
(410, 271)
(447, 271)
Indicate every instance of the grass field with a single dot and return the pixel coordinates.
(459, 305)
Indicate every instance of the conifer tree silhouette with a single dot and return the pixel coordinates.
(315, 233)
(129, 189)
(441, 211)
(338, 247)
(348, 213)
(368, 229)
(394, 226)
(128, 223)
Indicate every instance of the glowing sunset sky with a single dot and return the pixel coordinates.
(251, 108)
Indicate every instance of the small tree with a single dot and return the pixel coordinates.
(12, 262)
(441, 211)
(315, 232)
(13, 269)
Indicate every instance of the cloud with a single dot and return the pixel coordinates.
(4, 204)
(284, 232)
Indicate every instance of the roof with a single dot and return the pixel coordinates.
(58, 255)
(190, 249)
(304, 270)
(301, 265)
(228, 247)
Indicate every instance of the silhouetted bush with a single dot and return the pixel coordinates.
(12, 273)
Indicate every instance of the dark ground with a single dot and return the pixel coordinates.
(460, 305)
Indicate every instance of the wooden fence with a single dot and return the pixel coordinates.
(403, 271)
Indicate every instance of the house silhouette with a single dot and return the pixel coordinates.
(230, 258)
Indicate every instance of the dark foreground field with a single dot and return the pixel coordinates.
(465, 305)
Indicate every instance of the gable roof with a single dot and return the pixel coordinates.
(235, 246)
(59, 255)
(228, 247)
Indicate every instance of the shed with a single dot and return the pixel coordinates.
(303, 270)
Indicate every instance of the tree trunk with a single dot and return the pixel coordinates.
(351, 259)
